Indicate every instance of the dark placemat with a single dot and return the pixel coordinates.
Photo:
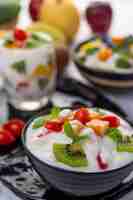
(16, 171)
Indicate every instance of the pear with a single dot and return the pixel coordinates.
(61, 14)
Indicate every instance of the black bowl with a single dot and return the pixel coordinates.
(103, 77)
(77, 183)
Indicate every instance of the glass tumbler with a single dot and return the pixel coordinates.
(29, 75)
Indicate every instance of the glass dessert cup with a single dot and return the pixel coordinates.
(29, 75)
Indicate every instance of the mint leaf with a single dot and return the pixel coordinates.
(69, 131)
(55, 112)
(19, 66)
(115, 134)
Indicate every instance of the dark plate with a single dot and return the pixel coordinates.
(102, 77)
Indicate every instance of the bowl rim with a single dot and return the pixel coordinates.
(69, 171)
(104, 39)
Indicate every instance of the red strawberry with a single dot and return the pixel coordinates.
(101, 162)
(54, 126)
(20, 34)
(14, 126)
(114, 121)
(6, 137)
(82, 115)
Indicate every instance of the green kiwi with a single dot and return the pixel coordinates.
(9, 10)
(64, 154)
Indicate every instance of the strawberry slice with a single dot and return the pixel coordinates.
(114, 121)
(20, 34)
(82, 115)
(54, 126)
(14, 126)
(101, 162)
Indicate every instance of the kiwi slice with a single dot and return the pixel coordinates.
(123, 63)
(9, 10)
(68, 155)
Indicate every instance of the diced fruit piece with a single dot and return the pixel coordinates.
(54, 126)
(2, 33)
(64, 156)
(125, 148)
(104, 54)
(100, 127)
(14, 126)
(103, 165)
(114, 121)
(22, 84)
(76, 126)
(118, 40)
(82, 115)
(6, 137)
(40, 70)
(90, 45)
(123, 63)
(20, 34)
(114, 134)
(19, 66)
(10, 44)
(99, 16)
(95, 115)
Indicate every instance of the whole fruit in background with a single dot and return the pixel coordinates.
(34, 9)
(99, 16)
(9, 12)
(61, 14)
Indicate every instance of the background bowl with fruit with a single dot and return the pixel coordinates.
(69, 168)
(107, 61)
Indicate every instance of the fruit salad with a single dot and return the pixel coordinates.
(114, 54)
(84, 139)
(28, 67)
(22, 39)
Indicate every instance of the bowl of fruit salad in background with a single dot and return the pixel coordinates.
(84, 151)
(106, 61)
(28, 68)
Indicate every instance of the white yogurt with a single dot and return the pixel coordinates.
(42, 147)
